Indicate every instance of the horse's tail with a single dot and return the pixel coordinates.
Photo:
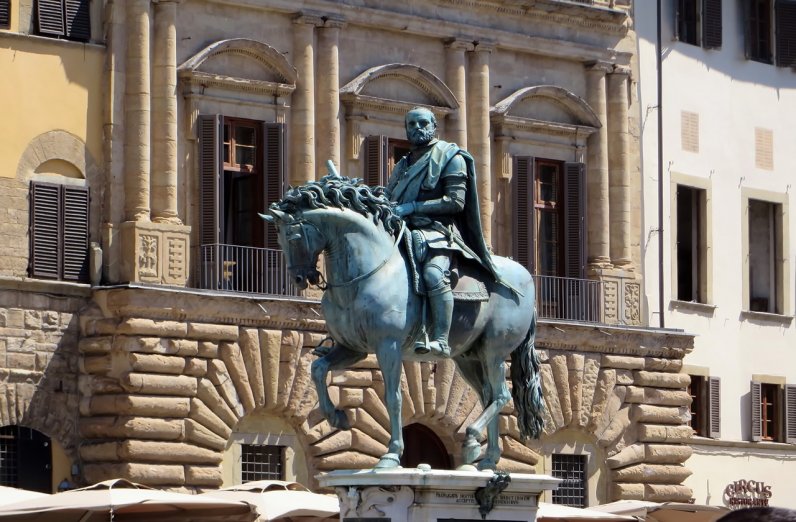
(527, 385)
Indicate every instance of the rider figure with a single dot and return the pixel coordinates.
(434, 190)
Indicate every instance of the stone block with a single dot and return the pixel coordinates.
(276, 384)
(663, 365)
(155, 363)
(651, 474)
(667, 453)
(207, 349)
(346, 460)
(212, 332)
(633, 454)
(136, 405)
(15, 318)
(50, 320)
(102, 452)
(233, 360)
(144, 327)
(627, 492)
(167, 452)
(209, 395)
(148, 474)
(351, 397)
(148, 383)
(623, 362)
(131, 427)
(219, 376)
(209, 476)
(340, 441)
(208, 419)
(250, 350)
(366, 444)
(514, 449)
(363, 421)
(657, 396)
(95, 345)
(195, 367)
(32, 319)
(667, 493)
(658, 433)
(510, 465)
(43, 361)
(662, 380)
(198, 434)
(21, 361)
(661, 414)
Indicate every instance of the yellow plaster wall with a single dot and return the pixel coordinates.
(48, 85)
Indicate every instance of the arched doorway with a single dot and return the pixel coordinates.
(25, 459)
(422, 446)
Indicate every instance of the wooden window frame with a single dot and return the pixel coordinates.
(67, 19)
(759, 28)
(555, 207)
(776, 295)
(696, 262)
(705, 406)
(785, 33)
(698, 22)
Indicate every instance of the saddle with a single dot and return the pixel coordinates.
(465, 282)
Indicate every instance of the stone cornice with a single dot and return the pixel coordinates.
(182, 304)
(446, 29)
(615, 340)
(202, 79)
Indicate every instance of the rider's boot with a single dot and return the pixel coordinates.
(441, 304)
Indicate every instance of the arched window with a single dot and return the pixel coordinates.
(422, 446)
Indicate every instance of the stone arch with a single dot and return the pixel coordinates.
(571, 105)
(265, 56)
(64, 146)
(417, 78)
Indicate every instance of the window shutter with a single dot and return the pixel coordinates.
(76, 232)
(524, 226)
(376, 161)
(676, 31)
(210, 160)
(45, 230)
(78, 19)
(714, 407)
(790, 414)
(50, 17)
(574, 220)
(274, 169)
(5, 14)
(785, 19)
(756, 397)
(711, 24)
(746, 17)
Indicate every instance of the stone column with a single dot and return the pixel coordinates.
(478, 131)
(164, 114)
(137, 113)
(303, 101)
(328, 95)
(619, 192)
(455, 76)
(599, 253)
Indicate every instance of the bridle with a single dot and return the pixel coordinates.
(322, 283)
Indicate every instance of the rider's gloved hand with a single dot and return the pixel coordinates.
(404, 209)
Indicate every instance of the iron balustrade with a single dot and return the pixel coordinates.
(243, 269)
(569, 299)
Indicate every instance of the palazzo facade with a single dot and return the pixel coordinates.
(174, 353)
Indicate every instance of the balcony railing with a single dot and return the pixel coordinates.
(242, 269)
(569, 299)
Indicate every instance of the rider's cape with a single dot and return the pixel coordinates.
(469, 221)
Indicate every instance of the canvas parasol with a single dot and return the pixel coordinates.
(278, 500)
(664, 511)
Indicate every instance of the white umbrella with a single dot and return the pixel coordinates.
(126, 501)
(664, 511)
(11, 495)
(555, 512)
(277, 504)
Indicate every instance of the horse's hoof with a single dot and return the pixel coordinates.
(389, 460)
(340, 421)
(487, 464)
(470, 451)
(466, 467)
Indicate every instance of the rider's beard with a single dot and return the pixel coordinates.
(420, 137)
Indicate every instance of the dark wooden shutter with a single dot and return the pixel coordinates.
(755, 396)
(714, 407)
(676, 27)
(376, 161)
(78, 19)
(522, 185)
(76, 232)
(785, 33)
(711, 24)
(790, 414)
(50, 17)
(574, 220)
(210, 162)
(45, 230)
(274, 169)
(5, 14)
(746, 17)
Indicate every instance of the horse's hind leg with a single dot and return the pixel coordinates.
(470, 368)
(337, 358)
(496, 396)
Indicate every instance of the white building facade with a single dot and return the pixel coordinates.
(726, 180)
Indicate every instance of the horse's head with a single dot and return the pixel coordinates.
(301, 243)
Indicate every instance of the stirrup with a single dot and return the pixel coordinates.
(435, 348)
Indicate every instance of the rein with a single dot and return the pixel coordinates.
(327, 284)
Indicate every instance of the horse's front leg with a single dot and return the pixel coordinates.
(336, 358)
(389, 357)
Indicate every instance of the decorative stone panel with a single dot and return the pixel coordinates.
(154, 253)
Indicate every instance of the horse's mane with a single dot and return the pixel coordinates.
(342, 192)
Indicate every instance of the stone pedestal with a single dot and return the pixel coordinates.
(409, 495)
